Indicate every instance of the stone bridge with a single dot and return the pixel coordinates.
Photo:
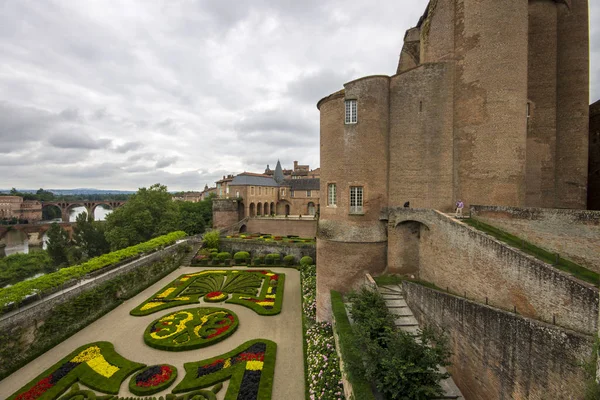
(34, 232)
(90, 206)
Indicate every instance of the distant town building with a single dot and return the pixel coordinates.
(15, 207)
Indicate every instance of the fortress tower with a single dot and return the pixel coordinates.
(489, 105)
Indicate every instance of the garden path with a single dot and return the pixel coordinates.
(126, 333)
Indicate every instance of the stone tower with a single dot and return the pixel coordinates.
(489, 105)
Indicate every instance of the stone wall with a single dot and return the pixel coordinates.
(463, 260)
(29, 332)
(303, 227)
(594, 158)
(574, 234)
(501, 355)
(255, 248)
(225, 213)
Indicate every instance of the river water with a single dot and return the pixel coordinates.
(16, 241)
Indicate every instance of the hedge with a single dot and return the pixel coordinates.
(241, 256)
(43, 284)
(244, 368)
(97, 356)
(306, 260)
(152, 379)
(289, 260)
(360, 386)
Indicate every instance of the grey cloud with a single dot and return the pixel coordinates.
(313, 86)
(128, 146)
(165, 162)
(77, 141)
(280, 120)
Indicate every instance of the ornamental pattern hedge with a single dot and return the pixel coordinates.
(191, 328)
(77, 394)
(96, 365)
(259, 290)
(249, 368)
(152, 379)
(18, 292)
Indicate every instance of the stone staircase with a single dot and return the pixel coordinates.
(187, 260)
(407, 322)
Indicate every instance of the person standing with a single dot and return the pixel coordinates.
(459, 208)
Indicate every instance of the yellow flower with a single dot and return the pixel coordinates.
(87, 354)
(270, 296)
(179, 328)
(181, 298)
(166, 293)
(270, 289)
(227, 363)
(102, 367)
(150, 305)
(185, 278)
(265, 303)
(254, 365)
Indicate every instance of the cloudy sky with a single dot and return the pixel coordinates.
(119, 94)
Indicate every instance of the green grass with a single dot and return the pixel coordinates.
(360, 386)
(388, 280)
(546, 256)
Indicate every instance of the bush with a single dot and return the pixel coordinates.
(43, 284)
(289, 260)
(223, 256)
(212, 239)
(306, 260)
(241, 256)
(258, 261)
(401, 366)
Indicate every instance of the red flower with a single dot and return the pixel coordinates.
(37, 390)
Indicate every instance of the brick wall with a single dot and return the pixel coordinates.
(574, 234)
(305, 227)
(225, 213)
(501, 355)
(297, 250)
(457, 257)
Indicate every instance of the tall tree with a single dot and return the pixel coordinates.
(148, 213)
(58, 245)
(192, 217)
(88, 235)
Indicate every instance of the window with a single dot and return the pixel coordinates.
(252, 190)
(308, 193)
(291, 193)
(260, 190)
(227, 190)
(282, 192)
(350, 111)
(331, 194)
(356, 199)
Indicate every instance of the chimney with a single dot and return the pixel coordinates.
(295, 165)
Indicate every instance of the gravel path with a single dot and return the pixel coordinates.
(126, 333)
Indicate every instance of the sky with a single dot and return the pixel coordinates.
(114, 94)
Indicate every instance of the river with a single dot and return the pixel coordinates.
(16, 241)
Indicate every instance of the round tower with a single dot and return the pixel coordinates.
(351, 240)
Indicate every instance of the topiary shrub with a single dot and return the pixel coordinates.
(257, 261)
(211, 239)
(306, 260)
(289, 260)
(272, 258)
(223, 256)
(241, 257)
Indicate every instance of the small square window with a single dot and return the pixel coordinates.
(252, 190)
(356, 199)
(308, 193)
(351, 112)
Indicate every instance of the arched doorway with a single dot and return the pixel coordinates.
(243, 228)
(252, 212)
(266, 207)
(287, 210)
(404, 247)
(259, 209)
(241, 211)
(311, 208)
(283, 208)
(273, 208)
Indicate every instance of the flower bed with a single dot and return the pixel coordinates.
(265, 237)
(105, 372)
(191, 328)
(249, 368)
(152, 379)
(323, 378)
(259, 290)
(39, 286)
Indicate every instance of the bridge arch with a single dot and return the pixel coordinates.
(406, 242)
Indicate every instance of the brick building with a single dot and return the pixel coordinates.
(489, 104)
(16, 207)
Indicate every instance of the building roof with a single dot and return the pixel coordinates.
(278, 173)
(249, 179)
(305, 184)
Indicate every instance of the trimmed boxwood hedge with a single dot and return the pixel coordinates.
(43, 284)
(71, 369)
(168, 374)
(306, 260)
(289, 260)
(219, 325)
(243, 371)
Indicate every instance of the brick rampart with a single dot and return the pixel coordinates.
(256, 248)
(500, 355)
(463, 260)
(574, 234)
(304, 227)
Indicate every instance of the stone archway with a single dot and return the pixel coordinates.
(266, 210)
(283, 208)
(404, 247)
(273, 211)
(311, 208)
(252, 210)
(243, 228)
(241, 211)
(259, 209)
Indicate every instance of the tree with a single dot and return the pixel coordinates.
(148, 213)
(58, 245)
(88, 236)
(192, 217)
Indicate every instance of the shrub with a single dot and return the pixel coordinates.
(223, 256)
(241, 256)
(289, 260)
(212, 239)
(306, 260)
